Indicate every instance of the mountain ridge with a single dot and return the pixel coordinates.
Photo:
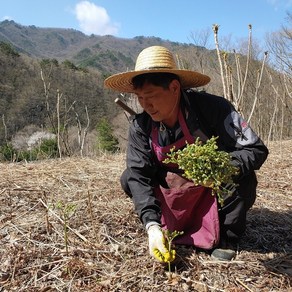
(62, 43)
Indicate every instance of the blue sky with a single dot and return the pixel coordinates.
(173, 20)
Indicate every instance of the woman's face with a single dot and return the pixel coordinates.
(161, 104)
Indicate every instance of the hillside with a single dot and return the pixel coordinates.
(74, 66)
(106, 248)
(105, 53)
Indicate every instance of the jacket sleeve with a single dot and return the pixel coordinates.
(247, 150)
(142, 172)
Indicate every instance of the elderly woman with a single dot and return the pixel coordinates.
(175, 114)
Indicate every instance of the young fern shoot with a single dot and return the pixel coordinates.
(170, 236)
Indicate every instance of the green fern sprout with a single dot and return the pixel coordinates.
(67, 211)
(170, 236)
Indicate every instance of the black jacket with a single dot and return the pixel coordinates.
(205, 113)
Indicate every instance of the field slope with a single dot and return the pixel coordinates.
(106, 247)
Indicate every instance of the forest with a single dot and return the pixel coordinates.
(53, 82)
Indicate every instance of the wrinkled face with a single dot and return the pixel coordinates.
(161, 104)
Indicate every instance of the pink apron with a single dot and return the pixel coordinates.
(184, 206)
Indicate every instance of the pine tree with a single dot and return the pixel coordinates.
(106, 139)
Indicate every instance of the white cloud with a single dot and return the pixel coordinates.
(94, 19)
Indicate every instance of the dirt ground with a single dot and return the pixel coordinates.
(66, 225)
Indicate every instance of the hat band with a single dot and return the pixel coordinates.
(155, 68)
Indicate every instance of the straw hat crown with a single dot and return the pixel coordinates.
(155, 59)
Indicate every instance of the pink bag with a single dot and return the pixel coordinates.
(191, 209)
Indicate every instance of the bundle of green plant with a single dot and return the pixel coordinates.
(205, 165)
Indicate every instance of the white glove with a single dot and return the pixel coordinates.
(157, 245)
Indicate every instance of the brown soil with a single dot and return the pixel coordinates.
(106, 248)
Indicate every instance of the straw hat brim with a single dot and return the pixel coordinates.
(122, 82)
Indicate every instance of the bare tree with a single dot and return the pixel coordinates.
(82, 136)
(233, 74)
(242, 79)
(258, 84)
(201, 38)
(59, 117)
(279, 44)
(215, 30)
(5, 128)
(59, 95)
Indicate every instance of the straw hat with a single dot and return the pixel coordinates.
(155, 59)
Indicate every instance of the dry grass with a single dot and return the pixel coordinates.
(107, 246)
